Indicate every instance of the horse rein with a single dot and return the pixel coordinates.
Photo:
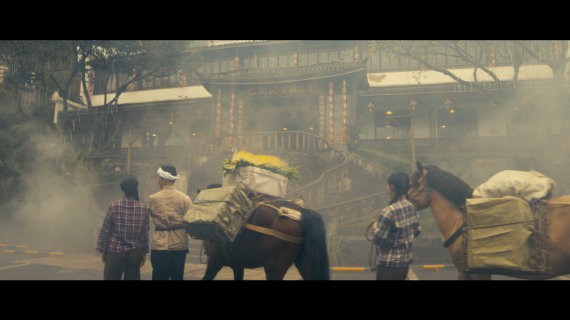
(425, 190)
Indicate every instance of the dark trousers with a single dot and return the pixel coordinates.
(127, 263)
(168, 264)
(392, 273)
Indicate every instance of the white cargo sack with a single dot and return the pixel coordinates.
(262, 181)
(521, 184)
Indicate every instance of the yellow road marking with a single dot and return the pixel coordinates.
(12, 251)
(348, 268)
(58, 253)
(3, 245)
(19, 265)
(434, 266)
(412, 275)
(31, 251)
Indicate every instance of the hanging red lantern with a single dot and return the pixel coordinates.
(370, 107)
(294, 59)
(447, 104)
(199, 113)
(73, 123)
(118, 118)
(236, 64)
(144, 116)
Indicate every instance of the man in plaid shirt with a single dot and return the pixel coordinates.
(395, 230)
(123, 240)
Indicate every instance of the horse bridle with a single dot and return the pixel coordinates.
(426, 190)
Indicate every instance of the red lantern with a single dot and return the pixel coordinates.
(344, 137)
(294, 59)
(144, 116)
(330, 84)
(447, 103)
(199, 113)
(370, 107)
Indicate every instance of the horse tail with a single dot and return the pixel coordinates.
(314, 251)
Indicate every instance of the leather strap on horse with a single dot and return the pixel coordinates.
(454, 236)
(274, 233)
(268, 205)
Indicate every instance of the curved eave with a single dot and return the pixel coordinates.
(259, 76)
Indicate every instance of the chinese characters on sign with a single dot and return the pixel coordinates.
(278, 89)
(322, 116)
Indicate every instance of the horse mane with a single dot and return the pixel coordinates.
(450, 186)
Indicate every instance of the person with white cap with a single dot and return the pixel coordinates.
(169, 240)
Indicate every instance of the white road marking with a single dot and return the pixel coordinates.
(412, 275)
(19, 265)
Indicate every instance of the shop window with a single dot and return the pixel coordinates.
(392, 128)
(375, 61)
(312, 58)
(333, 56)
(385, 62)
(303, 59)
(263, 62)
(323, 57)
(457, 123)
(272, 61)
(282, 61)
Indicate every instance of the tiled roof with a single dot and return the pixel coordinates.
(283, 74)
(448, 87)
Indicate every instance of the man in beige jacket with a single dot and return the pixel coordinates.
(169, 241)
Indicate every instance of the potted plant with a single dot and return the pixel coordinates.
(354, 131)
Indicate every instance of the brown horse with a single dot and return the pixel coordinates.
(444, 193)
(251, 249)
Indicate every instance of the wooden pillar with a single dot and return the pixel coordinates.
(129, 151)
(231, 124)
(330, 117)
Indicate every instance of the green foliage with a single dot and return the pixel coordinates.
(352, 229)
(391, 161)
(339, 250)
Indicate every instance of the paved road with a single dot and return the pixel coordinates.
(21, 266)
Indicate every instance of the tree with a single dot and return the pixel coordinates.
(480, 55)
(128, 62)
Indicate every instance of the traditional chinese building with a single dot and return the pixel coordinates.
(327, 88)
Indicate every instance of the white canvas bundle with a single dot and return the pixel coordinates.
(262, 181)
(521, 184)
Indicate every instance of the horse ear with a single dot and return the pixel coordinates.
(420, 167)
(198, 191)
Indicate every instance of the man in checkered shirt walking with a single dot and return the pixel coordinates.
(395, 230)
(123, 240)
